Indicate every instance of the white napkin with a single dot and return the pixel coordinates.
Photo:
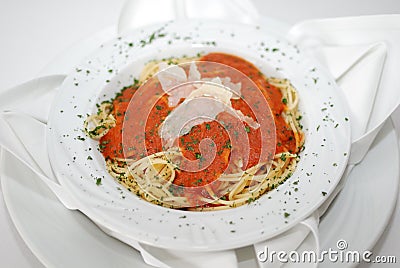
(329, 40)
(24, 112)
(304, 234)
(135, 12)
(22, 138)
(362, 54)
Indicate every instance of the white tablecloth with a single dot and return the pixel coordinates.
(35, 32)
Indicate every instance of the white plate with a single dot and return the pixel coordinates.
(355, 215)
(115, 64)
(63, 238)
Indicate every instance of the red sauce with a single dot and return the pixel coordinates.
(285, 141)
(147, 142)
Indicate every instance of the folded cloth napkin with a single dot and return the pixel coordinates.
(361, 53)
(135, 12)
(364, 74)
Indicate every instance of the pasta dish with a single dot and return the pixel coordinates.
(204, 133)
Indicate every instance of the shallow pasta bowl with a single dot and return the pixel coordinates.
(80, 167)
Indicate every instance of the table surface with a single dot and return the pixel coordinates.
(35, 32)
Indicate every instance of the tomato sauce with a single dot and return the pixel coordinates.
(214, 135)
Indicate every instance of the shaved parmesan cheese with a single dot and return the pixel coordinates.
(203, 102)
(194, 74)
(209, 90)
(202, 105)
(174, 81)
(226, 82)
(253, 124)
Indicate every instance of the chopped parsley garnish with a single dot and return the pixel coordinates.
(227, 145)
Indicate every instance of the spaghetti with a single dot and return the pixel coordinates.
(230, 180)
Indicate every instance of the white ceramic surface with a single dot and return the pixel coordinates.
(114, 65)
(362, 210)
